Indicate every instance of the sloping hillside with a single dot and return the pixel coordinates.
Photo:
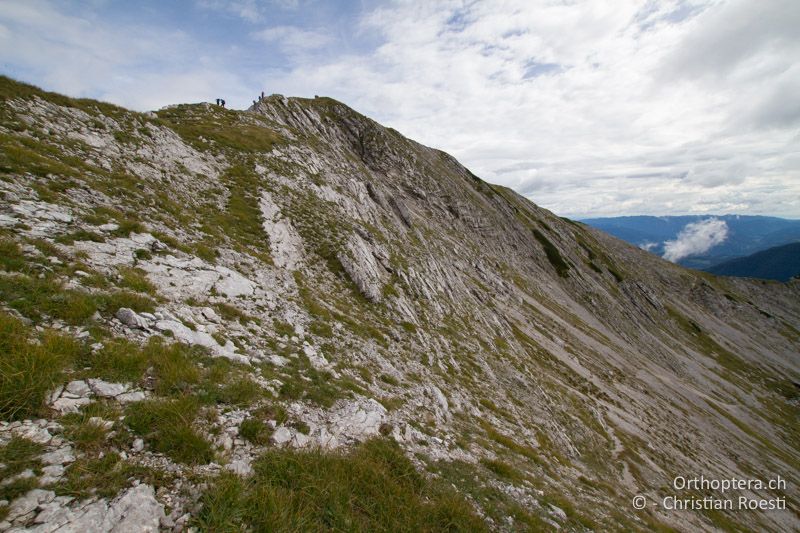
(292, 315)
(780, 263)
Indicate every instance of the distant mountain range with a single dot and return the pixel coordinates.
(780, 263)
(741, 236)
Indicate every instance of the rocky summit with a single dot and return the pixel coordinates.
(292, 318)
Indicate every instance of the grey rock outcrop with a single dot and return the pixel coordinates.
(130, 318)
(135, 511)
(361, 264)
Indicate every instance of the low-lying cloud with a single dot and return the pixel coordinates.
(696, 238)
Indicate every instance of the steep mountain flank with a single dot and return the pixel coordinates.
(210, 290)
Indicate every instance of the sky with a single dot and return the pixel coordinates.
(588, 108)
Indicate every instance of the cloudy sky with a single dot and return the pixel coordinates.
(588, 108)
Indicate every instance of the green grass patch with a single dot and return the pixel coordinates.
(218, 128)
(119, 360)
(282, 329)
(175, 366)
(321, 224)
(553, 255)
(12, 89)
(18, 455)
(474, 481)
(173, 370)
(321, 328)
(20, 154)
(240, 392)
(255, 431)
(30, 370)
(408, 327)
(502, 469)
(708, 346)
(168, 427)
(233, 313)
(301, 381)
(35, 297)
(11, 259)
(135, 279)
(140, 303)
(391, 380)
(86, 435)
(105, 477)
(511, 444)
(79, 235)
(373, 488)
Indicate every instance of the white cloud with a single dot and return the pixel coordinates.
(696, 238)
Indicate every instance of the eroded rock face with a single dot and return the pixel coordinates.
(349, 421)
(360, 262)
(189, 336)
(78, 393)
(357, 419)
(136, 510)
(285, 243)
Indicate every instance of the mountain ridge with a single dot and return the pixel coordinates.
(369, 285)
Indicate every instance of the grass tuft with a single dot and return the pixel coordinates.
(136, 280)
(373, 488)
(168, 427)
(11, 256)
(255, 431)
(104, 477)
(553, 255)
(18, 455)
(28, 370)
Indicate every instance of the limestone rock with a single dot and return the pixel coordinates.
(285, 243)
(241, 467)
(70, 405)
(188, 336)
(281, 436)
(23, 508)
(79, 388)
(232, 284)
(130, 318)
(59, 457)
(361, 265)
(135, 510)
(104, 389)
(357, 419)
